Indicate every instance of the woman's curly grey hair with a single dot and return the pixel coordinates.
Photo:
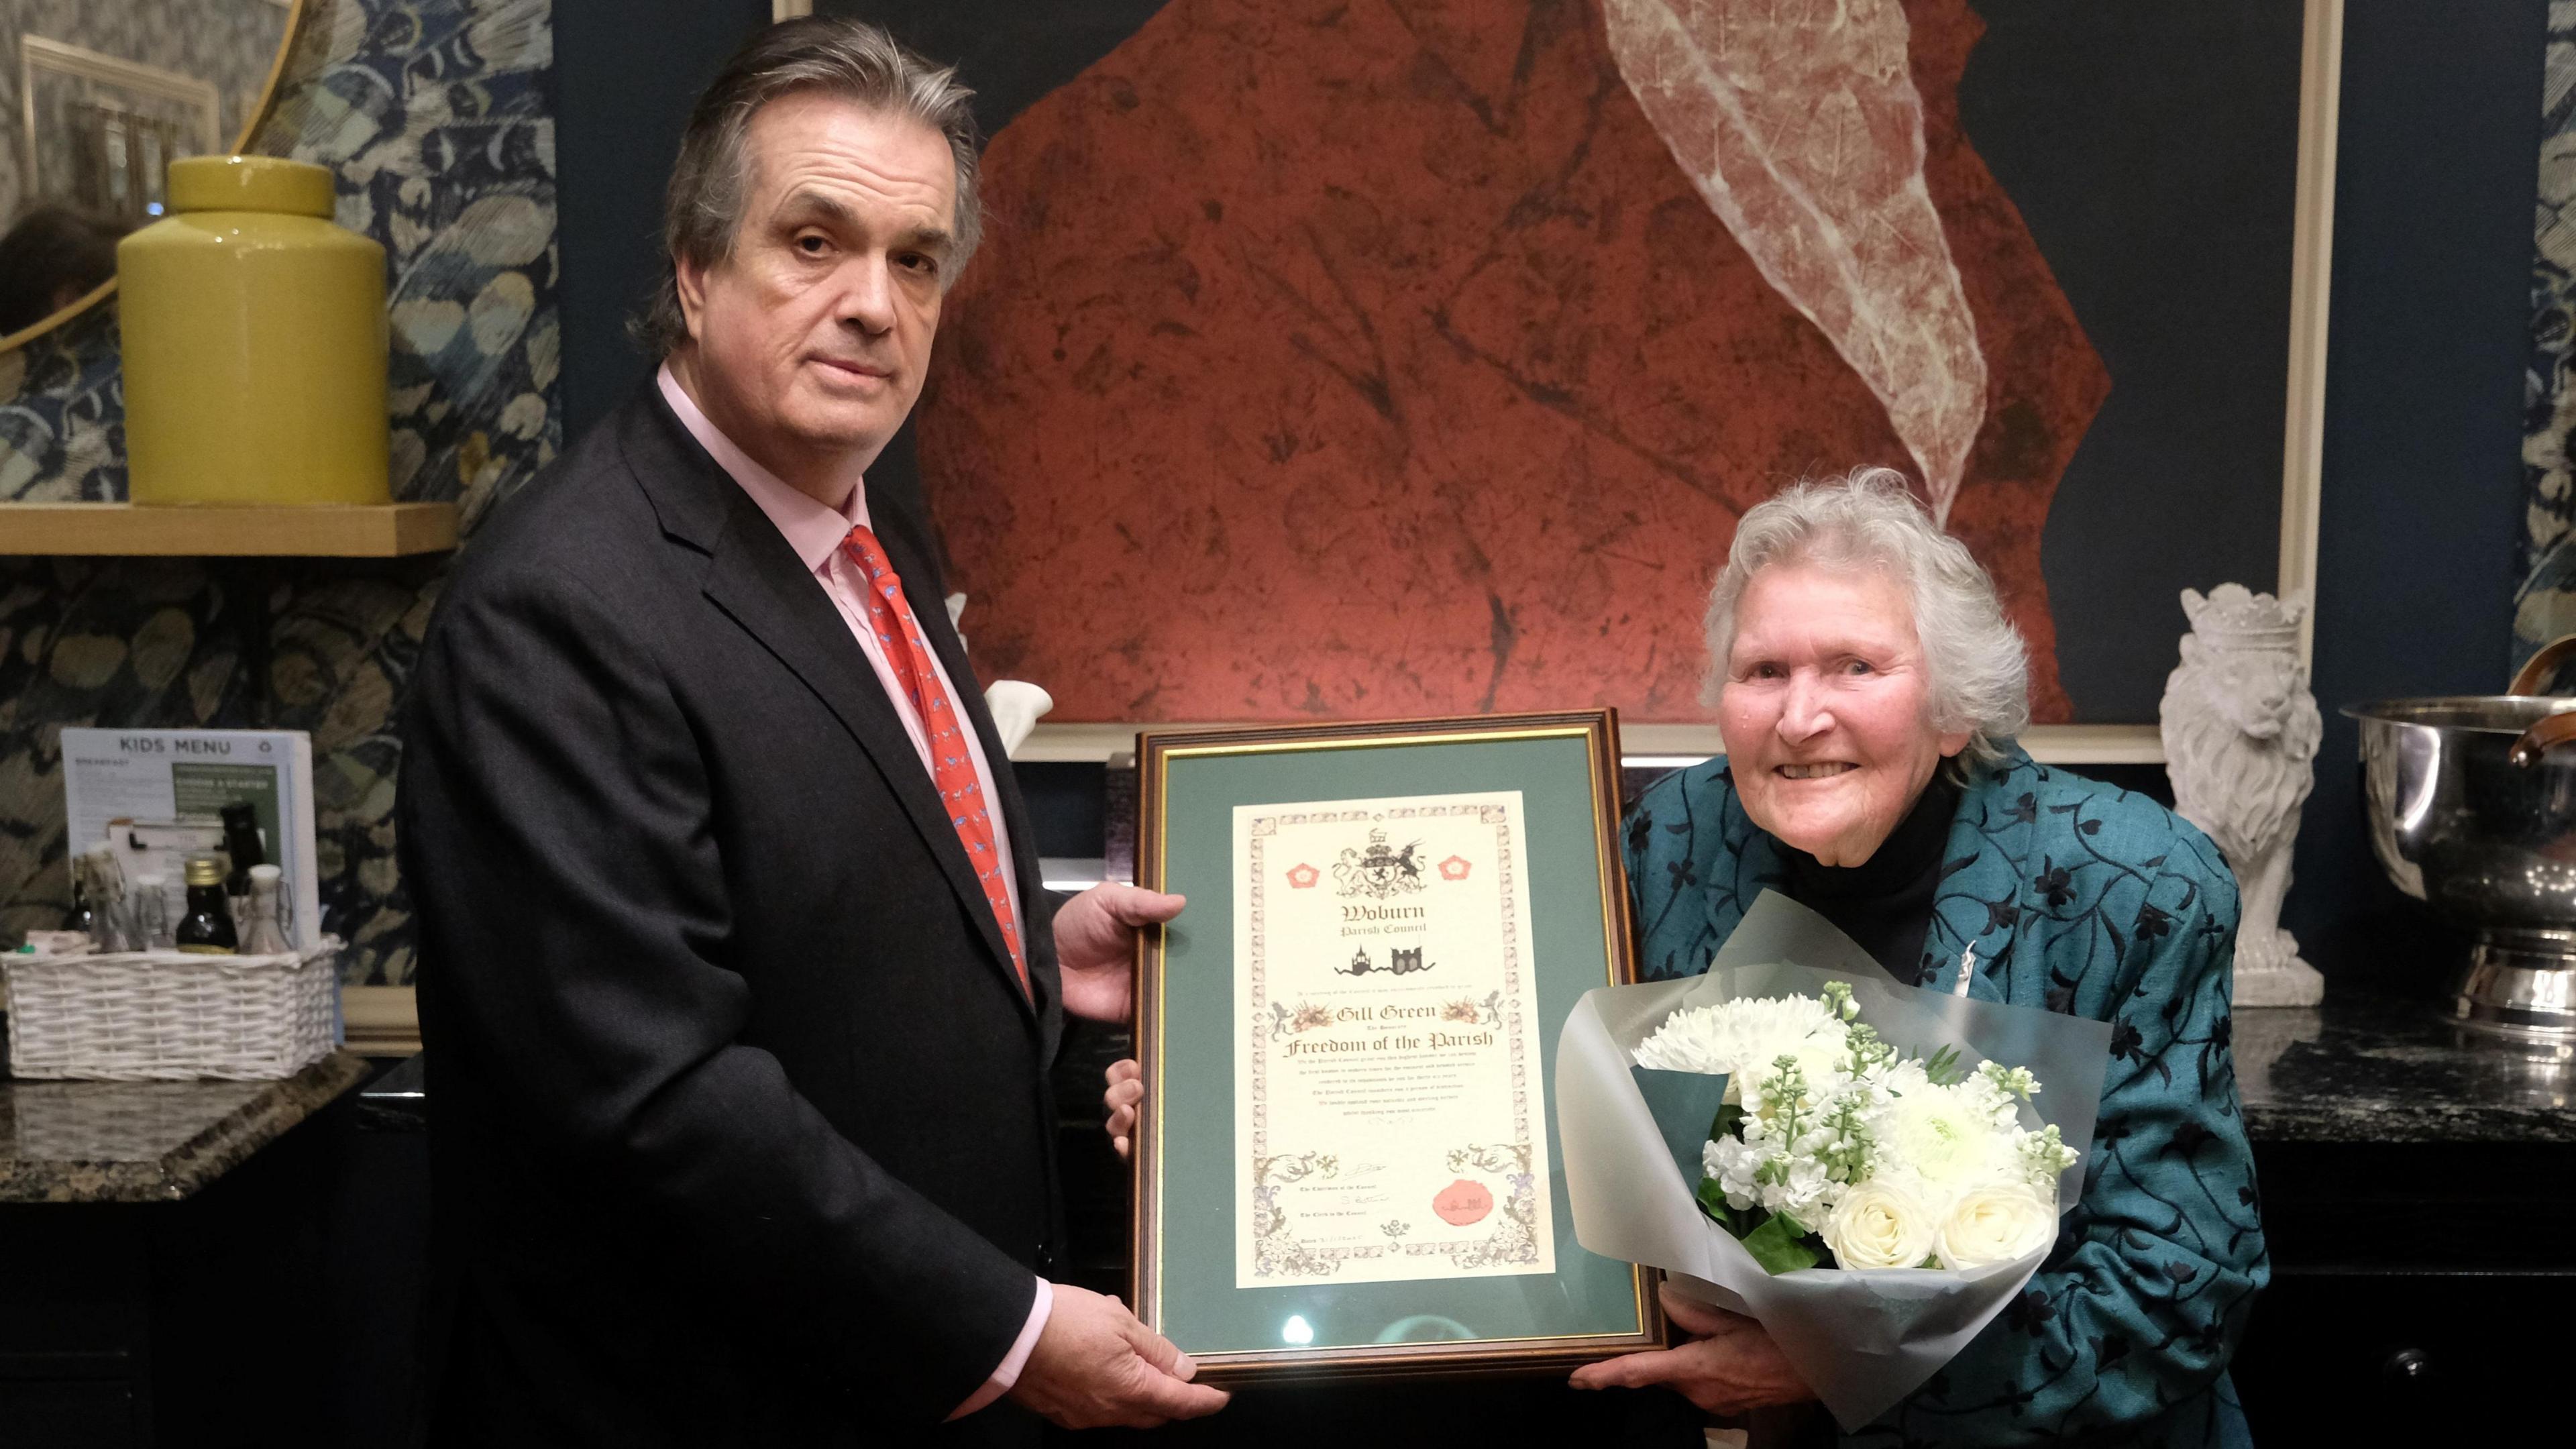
(850, 59)
(1977, 665)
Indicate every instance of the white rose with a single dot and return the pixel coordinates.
(1879, 1225)
(1995, 1225)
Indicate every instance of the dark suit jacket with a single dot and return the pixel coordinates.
(741, 1132)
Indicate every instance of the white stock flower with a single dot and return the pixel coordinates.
(1879, 1224)
(1733, 1164)
(1995, 1225)
(2044, 1154)
(1807, 1192)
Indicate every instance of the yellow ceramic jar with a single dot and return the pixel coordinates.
(254, 340)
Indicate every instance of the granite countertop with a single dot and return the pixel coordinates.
(2373, 1067)
(149, 1141)
(2368, 1066)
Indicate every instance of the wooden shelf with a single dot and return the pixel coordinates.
(217, 531)
(383, 1021)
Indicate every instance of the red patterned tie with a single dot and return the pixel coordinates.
(952, 766)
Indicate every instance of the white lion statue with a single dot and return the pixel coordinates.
(2240, 734)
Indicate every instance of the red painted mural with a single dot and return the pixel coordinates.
(1359, 358)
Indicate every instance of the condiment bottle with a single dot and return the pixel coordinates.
(241, 845)
(207, 928)
(241, 848)
(151, 913)
(83, 916)
(265, 935)
(108, 908)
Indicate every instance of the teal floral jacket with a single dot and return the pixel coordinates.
(2082, 898)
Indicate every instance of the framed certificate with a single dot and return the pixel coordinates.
(1347, 1162)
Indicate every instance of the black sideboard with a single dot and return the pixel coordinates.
(166, 1260)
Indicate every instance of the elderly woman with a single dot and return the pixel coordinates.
(1868, 690)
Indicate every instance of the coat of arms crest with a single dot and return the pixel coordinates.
(1379, 871)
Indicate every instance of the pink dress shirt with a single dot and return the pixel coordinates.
(815, 531)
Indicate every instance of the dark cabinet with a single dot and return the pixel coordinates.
(2418, 1289)
(200, 1323)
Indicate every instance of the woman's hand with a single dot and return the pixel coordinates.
(1730, 1367)
(1126, 1089)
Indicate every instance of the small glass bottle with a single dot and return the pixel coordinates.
(108, 907)
(242, 853)
(83, 916)
(151, 913)
(207, 928)
(266, 934)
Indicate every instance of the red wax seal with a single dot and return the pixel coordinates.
(1463, 1202)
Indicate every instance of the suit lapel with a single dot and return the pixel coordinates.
(757, 580)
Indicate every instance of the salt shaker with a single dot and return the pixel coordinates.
(265, 934)
(107, 898)
(149, 919)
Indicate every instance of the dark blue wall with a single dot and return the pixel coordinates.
(626, 73)
(2434, 184)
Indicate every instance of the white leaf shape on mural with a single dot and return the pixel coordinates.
(1799, 123)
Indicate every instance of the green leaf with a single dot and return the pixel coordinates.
(1944, 1068)
(1729, 1123)
(1780, 1245)
(1712, 1201)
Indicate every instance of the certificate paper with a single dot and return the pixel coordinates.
(1389, 1122)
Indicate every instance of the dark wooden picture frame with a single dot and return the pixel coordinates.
(1432, 741)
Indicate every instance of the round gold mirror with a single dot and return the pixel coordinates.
(96, 101)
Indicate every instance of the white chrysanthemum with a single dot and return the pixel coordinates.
(1901, 1077)
(1741, 1039)
(1945, 1140)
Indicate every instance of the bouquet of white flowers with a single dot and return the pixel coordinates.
(1804, 1141)
(1833, 1146)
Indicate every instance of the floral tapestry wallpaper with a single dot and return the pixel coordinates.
(2545, 603)
(433, 114)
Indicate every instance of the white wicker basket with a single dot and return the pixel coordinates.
(171, 1016)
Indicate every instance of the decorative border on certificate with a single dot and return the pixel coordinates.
(1404, 1118)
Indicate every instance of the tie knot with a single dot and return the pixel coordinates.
(863, 548)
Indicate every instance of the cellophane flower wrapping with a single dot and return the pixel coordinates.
(1633, 1141)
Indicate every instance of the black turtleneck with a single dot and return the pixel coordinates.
(1885, 902)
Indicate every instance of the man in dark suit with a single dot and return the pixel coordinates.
(737, 977)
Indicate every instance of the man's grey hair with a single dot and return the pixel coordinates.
(1977, 667)
(826, 55)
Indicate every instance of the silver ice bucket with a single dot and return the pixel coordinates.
(2472, 810)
